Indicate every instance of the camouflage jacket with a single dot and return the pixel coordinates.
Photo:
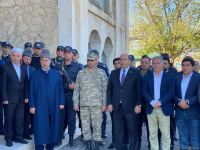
(90, 88)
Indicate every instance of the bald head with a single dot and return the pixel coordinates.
(124, 60)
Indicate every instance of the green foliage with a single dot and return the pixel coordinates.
(171, 26)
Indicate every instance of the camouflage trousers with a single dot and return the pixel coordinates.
(91, 119)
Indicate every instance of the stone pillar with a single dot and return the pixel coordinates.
(65, 22)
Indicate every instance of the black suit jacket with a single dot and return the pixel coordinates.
(129, 93)
(14, 90)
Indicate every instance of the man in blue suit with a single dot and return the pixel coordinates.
(187, 106)
(158, 91)
(124, 100)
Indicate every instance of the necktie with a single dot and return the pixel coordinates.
(123, 77)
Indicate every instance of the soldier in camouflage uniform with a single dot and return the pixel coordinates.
(90, 95)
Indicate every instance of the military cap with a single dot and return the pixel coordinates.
(27, 45)
(42, 44)
(68, 49)
(131, 57)
(38, 45)
(75, 51)
(60, 48)
(95, 52)
(6, 44)
(27, 52)
(45, 53)
(91, 56)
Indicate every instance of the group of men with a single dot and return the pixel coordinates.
(42, 95)
(18, 120)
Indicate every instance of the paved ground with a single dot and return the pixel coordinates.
(79, 145)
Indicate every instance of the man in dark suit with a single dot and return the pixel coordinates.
(124, 100)
(158, 92)
(187, 106)
(28, 117)
(14, 95)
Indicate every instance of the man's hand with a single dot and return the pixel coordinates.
(26, 100)
(157, 105)
(183, 104)
(137, 109)
(110, 108)
(62, 107)
(76, 108)
(5, 102)
(32, 110)
(103, 108)
(71, 86)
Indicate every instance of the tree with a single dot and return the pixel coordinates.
(170, 26)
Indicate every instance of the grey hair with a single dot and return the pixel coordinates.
(158, 57)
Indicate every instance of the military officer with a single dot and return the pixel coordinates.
(90, 95)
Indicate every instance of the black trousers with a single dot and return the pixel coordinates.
(69, 115)
(28, 120)
(103, 125)
(1, 118)
(142, 119)
(14, 120)
(122, 121)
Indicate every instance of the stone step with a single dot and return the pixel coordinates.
(30, 145)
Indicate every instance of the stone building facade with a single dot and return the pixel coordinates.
(82, 24)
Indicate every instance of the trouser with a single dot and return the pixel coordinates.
(189, 129)
(103, 126)
(69, 115)
(14, 120)
(91, 117)
(157, 120)
(28, 120)
(125, 122)
(143, 119)
(1, 118)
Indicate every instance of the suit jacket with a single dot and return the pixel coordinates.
(14, 90)
(191, 95)
(166, 92)
(129, 93)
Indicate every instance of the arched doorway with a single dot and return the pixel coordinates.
(94, 41)
(107, 52)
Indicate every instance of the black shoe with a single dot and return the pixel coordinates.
(9, 143)
(88, 145)
(102, 143)
(28, 137)
(22, 141)
(2, 132)
(111, 146)
(104, 136)
(71, 140)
